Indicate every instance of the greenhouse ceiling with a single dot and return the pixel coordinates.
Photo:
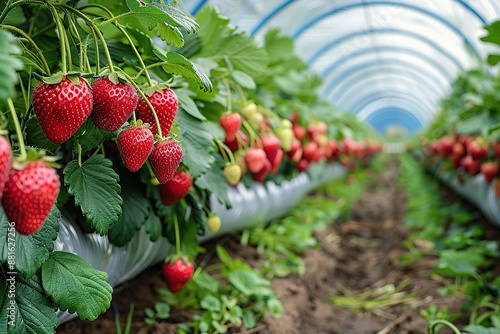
(389, 62)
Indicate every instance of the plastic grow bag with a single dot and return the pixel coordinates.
(250, 207)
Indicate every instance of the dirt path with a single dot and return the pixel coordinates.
(360, 254)
(356, 255)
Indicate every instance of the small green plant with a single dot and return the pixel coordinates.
(128, 324)
(161, 311)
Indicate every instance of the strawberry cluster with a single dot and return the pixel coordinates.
(264, 142)
(466, 154)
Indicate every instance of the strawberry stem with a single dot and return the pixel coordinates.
(229, 97)
(113, 19)
(141, 93)
(79, 152)
(94, 27)
(226, 152)
(83, 48)
(29, 39)
(177, 236)
(62, 40)
(252, 134)
(240, 91)
(19, 132)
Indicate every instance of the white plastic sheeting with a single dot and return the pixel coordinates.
(250, 207)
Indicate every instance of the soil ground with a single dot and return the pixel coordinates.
(356, 255)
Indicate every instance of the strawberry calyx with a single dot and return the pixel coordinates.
(34, 154)
(57, 77)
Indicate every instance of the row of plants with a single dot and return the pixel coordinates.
(132, 115)
(466, 258)
(230, 294)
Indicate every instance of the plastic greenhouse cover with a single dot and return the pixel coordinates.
(342, 37)
(255, 205)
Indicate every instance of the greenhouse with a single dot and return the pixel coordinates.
(280, 166)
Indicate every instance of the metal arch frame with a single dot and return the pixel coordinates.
(430, 78)
(372, 75)
(385, 48)
(374, 96)
(407, 120)
(338, 41)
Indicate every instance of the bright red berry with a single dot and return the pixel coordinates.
(165, 104)
(270, 144)
(5, 162)
(165, 159)
(113, 103)
(489, 170)
(177, 274)
(260, 176)
(29, 195)
(175, 189)
(135, 144)
(231, 123)
(62, 108)
(255, 159)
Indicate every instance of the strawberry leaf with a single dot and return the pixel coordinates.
(188, 103)
(222, 43)
(96, 189)
(153, 226)
(215, 182)
(136, 209)
(8, 64)
(75, 285)
(35, 136)
(170, 34)
(33, 312)
(180, 65)
(90, 136)
(197, 143)
(30, 250)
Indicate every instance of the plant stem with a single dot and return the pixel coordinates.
(141, 93)
(177, 236)
(228, 155)
(435, 323)
(79, 151)
(5, 11)
(32, 42)
(116, 18)
(126, 35)
(19, 133)
(229, 97)
(94, 27)
(61, 31)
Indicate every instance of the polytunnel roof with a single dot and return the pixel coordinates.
(389, 62)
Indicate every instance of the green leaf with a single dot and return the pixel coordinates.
(153, 226)
(221, 42)
(215, 182)
(461, 263)
(171, 35)
(96, 189)
(249, 320)
(8, 64)
(493, 35)
(32, 313)
(15, 17)
(162, 310)
(136, 208)
(90, 136)
(75, 285)
(36, 138)
(196, 142)
(476, 329)
(243, 79)
(188, 103)
(30, 250)
(210, 303)
(249, 282)
(180, 65)
(493, 59)
(275, 307)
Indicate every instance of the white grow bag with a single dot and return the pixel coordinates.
(250, 207)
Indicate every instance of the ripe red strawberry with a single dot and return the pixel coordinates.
(232, 174)
(29, 195)
(476, 149)
(175, 189)
(135, 144)
(231, 123)
(302, 165)
(310, 152)
(277, 162)
(445, 146)
(489, 170)
(62, 108)
(260, 176)
(177, 274)
(240, 140)
(270, 144)
(299, 132)
(165, 104)
(165, 159)
(5, 162)
(255, 159)
(113, 103)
